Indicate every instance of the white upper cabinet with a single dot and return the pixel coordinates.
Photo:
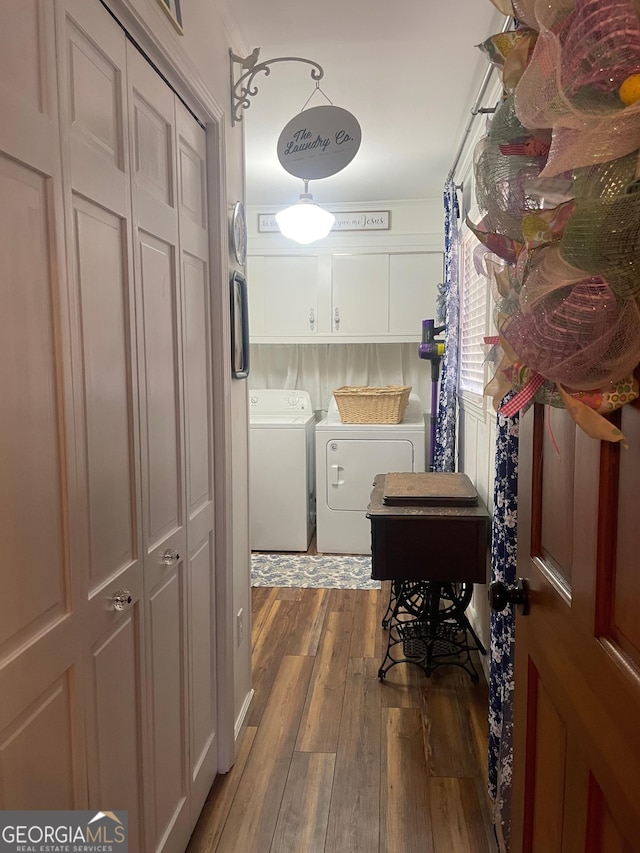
(283, 295)
(413, 287)
(347, 298)
(359, 294)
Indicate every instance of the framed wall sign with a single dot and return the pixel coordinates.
(239, 327)
(173, 12)
(357, 220)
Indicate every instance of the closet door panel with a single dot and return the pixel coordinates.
(200, 525)
(191, 173)
(197, 384)
(160, 342)
(168, 724)
(114, 684)
(93, 63)
(202, 704)
(115, 661)
(95, 58)
(21, 56)
(163, 511)
(41, 622)
(29, 127)
(159, 315)
(101, 253)
(36, 769)
(153, 133)
(35, 570)
(31, 475)
(197, 345)
(154, 161)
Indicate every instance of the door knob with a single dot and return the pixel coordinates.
(501, 595)
(121, 599)
(170, 556)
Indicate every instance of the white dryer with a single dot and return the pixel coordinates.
(282, 491)
(348, 456)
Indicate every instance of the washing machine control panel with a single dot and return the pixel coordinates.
(276, 402)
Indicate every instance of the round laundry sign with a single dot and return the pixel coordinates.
(319, 142)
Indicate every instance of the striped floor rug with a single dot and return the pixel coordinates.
(302, 570)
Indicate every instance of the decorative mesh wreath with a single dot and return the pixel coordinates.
(558, 180)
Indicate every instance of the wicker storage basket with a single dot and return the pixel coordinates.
(359, 404)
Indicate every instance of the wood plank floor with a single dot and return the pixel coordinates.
(333, 760)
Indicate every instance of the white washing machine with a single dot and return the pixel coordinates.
(282, 483)
(348, 456)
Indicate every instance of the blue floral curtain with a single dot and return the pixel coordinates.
(444, 457)
(503, 568)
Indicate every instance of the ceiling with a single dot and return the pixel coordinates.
(408, 70)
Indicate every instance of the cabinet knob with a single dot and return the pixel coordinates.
(312, 319)
(336, 320)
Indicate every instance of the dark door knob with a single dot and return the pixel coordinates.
(500, 595)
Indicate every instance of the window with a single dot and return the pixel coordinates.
(473, 317)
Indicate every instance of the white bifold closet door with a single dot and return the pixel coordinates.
(118, 578)
(42, 744)
(109, 508)
(174, 355)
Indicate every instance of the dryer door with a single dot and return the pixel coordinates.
(352, 464)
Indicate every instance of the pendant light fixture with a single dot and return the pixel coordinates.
(305, 221)
(316, 143)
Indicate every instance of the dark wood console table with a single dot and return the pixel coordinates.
(429, 536)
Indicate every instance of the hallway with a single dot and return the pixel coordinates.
(334, 760)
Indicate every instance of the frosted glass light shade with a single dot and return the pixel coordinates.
(304, 221)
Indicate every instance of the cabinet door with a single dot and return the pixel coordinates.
(360, 294)
(413, 287)
(283, 295)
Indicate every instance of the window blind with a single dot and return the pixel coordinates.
(473, 317)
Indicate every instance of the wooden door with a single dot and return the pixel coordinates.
(159, 335)
(40, 624)
(577, 741)
(93, 63)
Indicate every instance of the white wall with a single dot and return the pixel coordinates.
(414, 224)
(321, 368)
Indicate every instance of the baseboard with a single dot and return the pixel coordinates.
(473, 617)
(242, 716)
